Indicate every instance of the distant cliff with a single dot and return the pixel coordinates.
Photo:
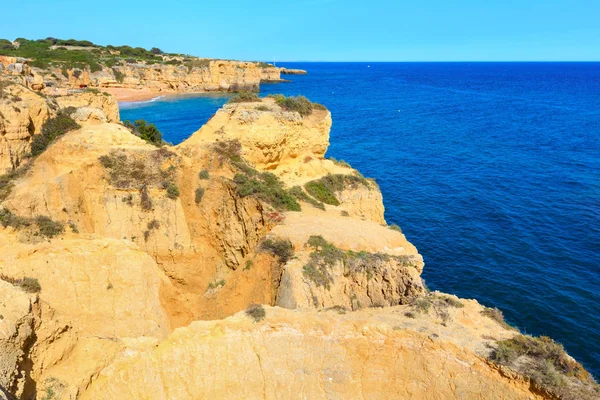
(51, 64)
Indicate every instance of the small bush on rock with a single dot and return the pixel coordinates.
(27, 284)
(324, 189)
(281, 248)
(268, 188)
(299, 104)
(49, 228)
(545, 362)
(301, 195)
(256, 312)
(146, 131)
(244, 97)
(199, 195)
(497, 315)
(52, 129)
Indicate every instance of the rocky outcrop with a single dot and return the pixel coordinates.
(296, 355)
(288, 71)
(272, 139)
(16, 336)
(100, 285)
(383, 268)
(98, 100)
(158, 252)
(24, 111)
(22, 114)
(199, 76)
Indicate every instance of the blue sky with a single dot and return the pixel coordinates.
(324, 30)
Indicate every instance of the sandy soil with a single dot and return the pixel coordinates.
(126, 94)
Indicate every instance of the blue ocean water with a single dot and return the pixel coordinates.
(491, 169)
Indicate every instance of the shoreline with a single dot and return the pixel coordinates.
(125, 95)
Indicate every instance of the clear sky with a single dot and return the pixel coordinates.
(324, 30)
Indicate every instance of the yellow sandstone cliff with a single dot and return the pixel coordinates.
(146, 292)
(201, 75)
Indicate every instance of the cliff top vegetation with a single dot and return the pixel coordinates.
(82, 54)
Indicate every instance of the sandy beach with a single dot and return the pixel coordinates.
(132, 95)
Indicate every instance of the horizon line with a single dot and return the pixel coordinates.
(440, 61)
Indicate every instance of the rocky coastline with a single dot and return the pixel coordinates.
(241, 263)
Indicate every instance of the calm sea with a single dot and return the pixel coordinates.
(491, 169)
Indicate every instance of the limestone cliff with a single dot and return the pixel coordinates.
(374, 354)
(212, 76)
(200, 75)
(125, 270)
(24, 111)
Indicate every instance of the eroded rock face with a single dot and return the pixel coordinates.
(16, 336)
(105, 102)
(157, 238)
(102, 286)
(211, 76)
(272, 139)
(22, 114)
(298, 355)
(394, 265)
(24, 111)
(290, 146)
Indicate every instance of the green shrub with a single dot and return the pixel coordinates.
(325, 255)
(321, 192)
(7, 180)
(547, 365)
(146, 131)
(256, 312)
(73, 227)
(199, 195)
(249, 264)
(49, 228)
(301, 195)
(119, 76)
(154, 224)
(244, 97)
(340, 163)
(422, 304)
(452, 302)
(268, 188)
(133, 170)
(299, 104)
(262, 107)
(395, 227)
(324, 189)
(231, 149)
(216, 284)
(27, 284)
(281, 248)
(8, 219)
(52, 129)
(30, 285)
(204, 174)
(6, 45)
(201, 63)
(172, 190)
(497, 315)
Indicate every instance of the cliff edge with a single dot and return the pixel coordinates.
(240, 263)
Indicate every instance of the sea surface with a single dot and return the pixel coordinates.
(491, 169)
